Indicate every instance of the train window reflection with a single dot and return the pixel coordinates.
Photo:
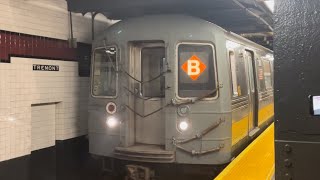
(267, 74)
(104, 82)
(237, 67)
(197, 71)
(232, 58)
(152, 60)
(260, 74)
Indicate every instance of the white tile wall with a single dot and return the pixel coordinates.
(43, 133)
(20, 87)
(47, 18)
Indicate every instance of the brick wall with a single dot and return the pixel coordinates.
(24, 45)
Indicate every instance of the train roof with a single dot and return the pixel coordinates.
(179, 22)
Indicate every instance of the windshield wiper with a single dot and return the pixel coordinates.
(193, 100)
(129, 75)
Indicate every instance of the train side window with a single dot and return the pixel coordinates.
(267, 74)
(104, 75)
(272, 73)
(233, 69)
(238, 75)
(197, 71)
(260, 74)
(152, 60)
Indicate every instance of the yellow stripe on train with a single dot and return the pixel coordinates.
(240, 128)
(265, 113)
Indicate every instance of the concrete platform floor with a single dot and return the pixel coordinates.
(256, 162)
(68, 160)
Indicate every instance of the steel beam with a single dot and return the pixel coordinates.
(297, 131)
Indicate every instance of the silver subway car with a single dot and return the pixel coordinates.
(174, 89)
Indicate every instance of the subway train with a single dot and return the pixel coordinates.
(176, 93)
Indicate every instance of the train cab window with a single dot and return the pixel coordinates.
(104, 82)
(238, 75)
(152, 60)
(197, 71)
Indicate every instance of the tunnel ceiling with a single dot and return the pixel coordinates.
(240, 16)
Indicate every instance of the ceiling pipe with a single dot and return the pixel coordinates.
(93, 15)
(72, 41)
(71, 26)
(253, 14)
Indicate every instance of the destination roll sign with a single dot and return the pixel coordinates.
(40, 67)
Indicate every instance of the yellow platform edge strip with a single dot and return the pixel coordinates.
(256, 162)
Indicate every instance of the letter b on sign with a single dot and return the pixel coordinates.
(194, 67)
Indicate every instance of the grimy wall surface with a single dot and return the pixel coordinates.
(297, 75)
(47, 18)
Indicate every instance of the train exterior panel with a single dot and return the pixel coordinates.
(177, 89)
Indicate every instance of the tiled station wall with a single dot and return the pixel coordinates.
(47, 18)
(43, 122)
(22, 89)
(41, 28)
(36, 32)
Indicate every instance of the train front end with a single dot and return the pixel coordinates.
(160, 92)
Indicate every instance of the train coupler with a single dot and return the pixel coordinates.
(135, 172)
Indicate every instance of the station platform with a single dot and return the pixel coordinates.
(256, 162)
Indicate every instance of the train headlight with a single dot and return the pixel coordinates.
(111, 108)
(112, 121)
(183, 125)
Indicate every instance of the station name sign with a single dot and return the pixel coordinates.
(40, 67)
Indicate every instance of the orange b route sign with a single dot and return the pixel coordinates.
(194, 67)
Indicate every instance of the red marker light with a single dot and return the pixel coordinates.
(111, 108)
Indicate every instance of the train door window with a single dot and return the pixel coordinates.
(104, 82)
(267, 74)
(238, 74)
(152, 60)
(233, 69)
(260, 74)
(272, 73)
(249, 56)
(197, 71)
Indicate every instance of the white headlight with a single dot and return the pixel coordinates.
(112, 122)
(183, 125)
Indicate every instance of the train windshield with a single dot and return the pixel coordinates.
(104, 82)
(197, 71)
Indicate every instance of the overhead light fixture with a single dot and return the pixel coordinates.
(270, 4)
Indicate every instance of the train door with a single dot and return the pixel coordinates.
(149, 121)
(253, 110)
